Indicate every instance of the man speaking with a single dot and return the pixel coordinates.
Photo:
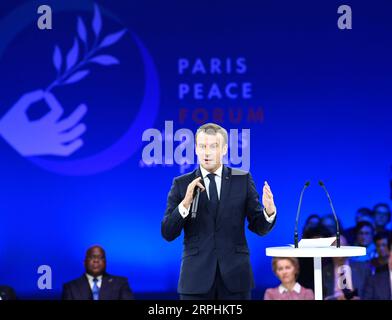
(215, 259)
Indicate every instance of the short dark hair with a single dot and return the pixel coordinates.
(213, 128)
(385, 205)
(365, 211)
(93, 247)
(318, 231)
(312, 216)
(362, 224)
(383, 235)
(331, 216)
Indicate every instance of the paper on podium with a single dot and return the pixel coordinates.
(316, 243)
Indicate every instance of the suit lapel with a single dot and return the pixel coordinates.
(224, 192)
(84, 288)
(105, 290)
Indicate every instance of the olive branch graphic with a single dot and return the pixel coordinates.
(51, 134)
(72, 67)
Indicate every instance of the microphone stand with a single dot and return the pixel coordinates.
(322, 185)
(307, 183)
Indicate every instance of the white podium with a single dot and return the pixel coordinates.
(316, 254)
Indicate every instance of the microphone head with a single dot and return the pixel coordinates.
(321, 183)
(307, 183)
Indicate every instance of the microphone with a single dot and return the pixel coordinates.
(322, 185)
(195, 202)
(307, 183)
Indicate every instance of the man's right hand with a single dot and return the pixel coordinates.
(189, 192)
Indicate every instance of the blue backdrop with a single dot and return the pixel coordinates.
(317, 101)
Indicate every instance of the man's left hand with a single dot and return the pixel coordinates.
(268, 199)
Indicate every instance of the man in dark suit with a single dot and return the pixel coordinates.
(344, 278)
(215, 259)
(358, 273)
(379, 286)
(96, 284)
(7, 293)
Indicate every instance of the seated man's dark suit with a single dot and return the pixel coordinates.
(359, 273)
(112, 288)
(378, 286)
(216, 241)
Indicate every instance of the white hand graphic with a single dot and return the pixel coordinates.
(46, 136)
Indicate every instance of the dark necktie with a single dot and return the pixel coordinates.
(213, 193)
(95, 289)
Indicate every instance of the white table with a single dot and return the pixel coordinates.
(316, 254)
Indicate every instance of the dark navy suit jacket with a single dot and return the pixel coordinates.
(378, 286)
(360, 271)
(112, 288)
(210, 241)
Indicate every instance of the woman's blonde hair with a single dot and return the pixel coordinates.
(294, 262)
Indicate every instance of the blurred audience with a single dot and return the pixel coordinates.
(379, 286)
(382, 216)
(343, 278)
(382, 242)
(287, 270)
(328, 221)
(364, 238)
(311, 222)
(362, 214)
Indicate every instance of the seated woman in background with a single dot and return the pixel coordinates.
(287, 270)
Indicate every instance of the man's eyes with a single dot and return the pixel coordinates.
(213, 146)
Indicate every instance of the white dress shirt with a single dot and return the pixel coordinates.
(218, 180)
(184, 212)
(90, 279)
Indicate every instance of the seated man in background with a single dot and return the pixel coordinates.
(7, 293)
(312, 221)
(379, 286)
(382, 242)
(343, 278)
(364, 238)
(382, 217)
(287, 270)
(96, 284)
(362, 214)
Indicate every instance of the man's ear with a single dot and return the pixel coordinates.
(225, 148)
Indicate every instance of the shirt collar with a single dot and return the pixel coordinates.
(296, 288)
(91, 278)
(218, 172)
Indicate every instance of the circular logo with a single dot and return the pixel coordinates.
(125, 146)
